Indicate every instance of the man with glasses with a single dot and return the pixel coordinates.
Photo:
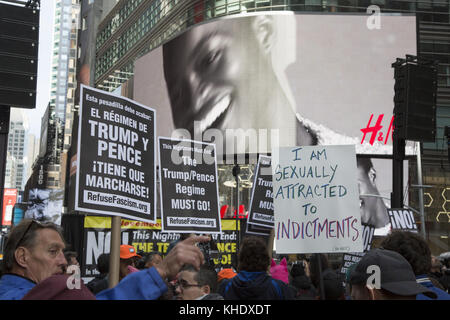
(193, 284)
(34, 252)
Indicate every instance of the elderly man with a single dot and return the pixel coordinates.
(34, 252)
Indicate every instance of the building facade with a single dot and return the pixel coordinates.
(17, 158)
(63, 81)
(135, 27)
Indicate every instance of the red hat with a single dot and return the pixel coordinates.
(227, 273)
(127, 252)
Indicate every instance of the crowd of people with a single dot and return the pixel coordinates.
(37, 266)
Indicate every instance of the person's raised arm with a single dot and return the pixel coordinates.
(149, 284)
(185, 252)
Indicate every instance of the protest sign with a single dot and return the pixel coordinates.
(354, 257)
(316, 202)
(402, 219)
(257, 230)
(188, 186)
(348, 259)
(261, 202)
(116, 156)
(146, 237)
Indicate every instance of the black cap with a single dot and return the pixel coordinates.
(396, 274)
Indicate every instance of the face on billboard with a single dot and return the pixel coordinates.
(372, 208)
(318, 84)
(221, 75)
(318, 79)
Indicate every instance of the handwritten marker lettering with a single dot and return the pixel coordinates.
(315, 199)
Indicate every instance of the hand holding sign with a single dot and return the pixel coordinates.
(183, 253)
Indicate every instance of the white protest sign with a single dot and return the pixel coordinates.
(316, 200)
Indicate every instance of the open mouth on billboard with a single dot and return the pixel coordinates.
(216, 116)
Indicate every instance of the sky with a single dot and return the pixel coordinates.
(44, 67)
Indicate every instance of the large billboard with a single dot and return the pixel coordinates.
(279, 80)
(253, 82)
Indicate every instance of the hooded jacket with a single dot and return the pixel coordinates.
(425, 281)
(254, 286)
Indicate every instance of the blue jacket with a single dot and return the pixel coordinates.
(255, 286)
(14, 287)
(425, 281)
(143, 285)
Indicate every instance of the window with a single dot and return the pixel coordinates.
(83, 24)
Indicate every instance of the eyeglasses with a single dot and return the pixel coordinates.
(185, 285)
(27, 230)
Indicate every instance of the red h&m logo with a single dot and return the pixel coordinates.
(374, 130)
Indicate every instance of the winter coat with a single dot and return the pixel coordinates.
(254, 286)
(425, 281)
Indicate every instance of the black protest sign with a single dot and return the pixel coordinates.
(189, 187)
(349, 259)
(354, 257)
(261, 203)
(368, 232)
(402, 219)
(143, 236)
(227, 243)
(147, 237)
(116, 156)
(253, 229)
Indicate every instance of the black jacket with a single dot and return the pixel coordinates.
(98, 284)
(305, 289)
(255, 286)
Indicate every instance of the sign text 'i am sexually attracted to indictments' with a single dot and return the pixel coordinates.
(316, 202)
(116, 156)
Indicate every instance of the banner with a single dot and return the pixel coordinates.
(316, 200)
(268, 82)
(354, 257)
(147, 237)
(9, 200)
(261, 203)
(257, 230)
(116, 157)
(402, 219)
(189, 187)
(45, 205)
(19, 213)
